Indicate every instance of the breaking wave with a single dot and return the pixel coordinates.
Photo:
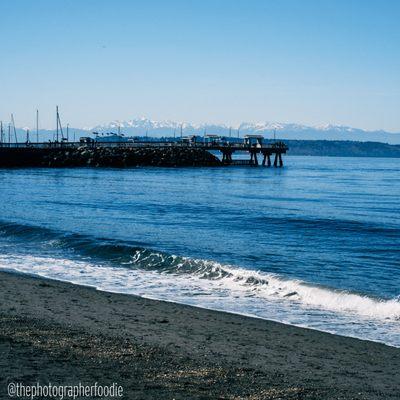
(133, 268)
(269, 286)
(208, 274)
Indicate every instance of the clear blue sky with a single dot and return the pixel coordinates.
(311, 62)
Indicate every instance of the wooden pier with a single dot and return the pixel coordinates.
(259, 153)
(264, 151)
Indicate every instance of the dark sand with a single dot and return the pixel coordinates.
(66, 334)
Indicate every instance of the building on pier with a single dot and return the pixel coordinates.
(253, 140)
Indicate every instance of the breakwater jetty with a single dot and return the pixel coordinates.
(185, 152)
(100, 156)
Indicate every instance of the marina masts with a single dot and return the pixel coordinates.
(37, 126)
(15, 131)
(59, 127)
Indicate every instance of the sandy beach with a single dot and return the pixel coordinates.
(65, 334)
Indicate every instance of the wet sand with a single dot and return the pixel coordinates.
(65, 334)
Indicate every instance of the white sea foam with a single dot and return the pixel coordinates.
(298, 291)
(212, 285)
(270, 286)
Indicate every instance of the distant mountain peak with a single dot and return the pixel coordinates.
(139, 126)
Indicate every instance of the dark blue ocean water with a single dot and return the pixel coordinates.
(316, 243)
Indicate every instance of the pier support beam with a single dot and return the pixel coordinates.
(266, 159)
(253, 158)
(276, 160)
(227, 156)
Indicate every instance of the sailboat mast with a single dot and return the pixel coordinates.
(37, 126)
(1, 133)
(59, 126)
(57, 123)
(15, 131)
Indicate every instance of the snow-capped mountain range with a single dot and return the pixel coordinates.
(141, 126)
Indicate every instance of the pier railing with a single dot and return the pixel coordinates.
(208, 146)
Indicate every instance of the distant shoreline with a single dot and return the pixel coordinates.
(156, 349)
(340, 148)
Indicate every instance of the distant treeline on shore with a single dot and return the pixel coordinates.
(341, 148)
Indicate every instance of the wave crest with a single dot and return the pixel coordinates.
(208, 274)
(268, 286)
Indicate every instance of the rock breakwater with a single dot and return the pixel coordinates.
(106, 157)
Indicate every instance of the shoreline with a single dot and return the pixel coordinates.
(245, 315)
(63, 327)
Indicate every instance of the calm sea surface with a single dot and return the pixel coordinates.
(314, 244)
